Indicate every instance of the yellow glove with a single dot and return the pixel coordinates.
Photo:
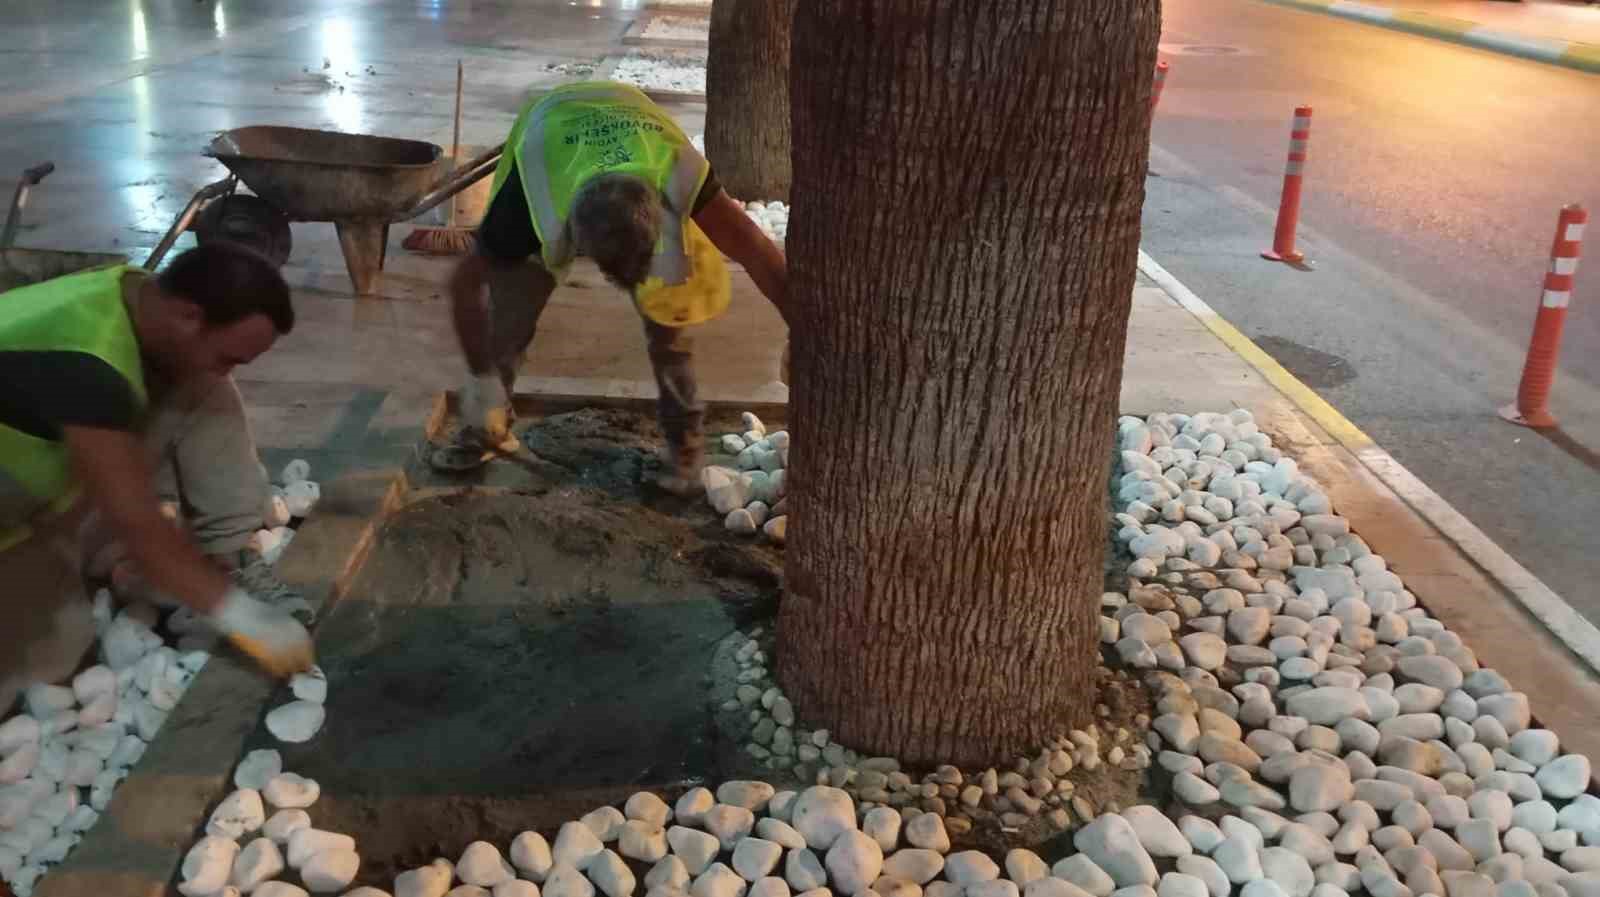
(270, 637)
(483, 405)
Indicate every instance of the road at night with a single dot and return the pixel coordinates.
(1435, 177)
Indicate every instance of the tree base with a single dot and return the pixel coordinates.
(748, 708)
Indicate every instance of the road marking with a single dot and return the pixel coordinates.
(1360, 11)
(1559, 617)
(1569, 54)
(1517, 44)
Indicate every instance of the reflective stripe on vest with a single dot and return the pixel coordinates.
(578, 131)
(81, 312)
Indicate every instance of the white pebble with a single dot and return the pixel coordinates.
(257, 769)
(206, 866)
(308, 842)
(576, 846)
(284, 824)
(239, 814)
(330, 870)
(259, 861)
(481, 864)
(290, 791)
(296, 722)
(821, 814)
(611, 875)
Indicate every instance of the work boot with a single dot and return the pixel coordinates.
(249, 571)
(681, 470)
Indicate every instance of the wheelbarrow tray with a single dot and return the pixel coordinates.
(21, 267)
(312, 175)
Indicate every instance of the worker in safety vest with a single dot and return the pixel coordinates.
(80, 356)
(596, 169)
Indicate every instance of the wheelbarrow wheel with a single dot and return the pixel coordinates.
(247, 220)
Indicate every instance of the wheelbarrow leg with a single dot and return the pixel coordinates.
(364, 242)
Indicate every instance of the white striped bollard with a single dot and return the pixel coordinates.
(1532, 408)
(1289, 205)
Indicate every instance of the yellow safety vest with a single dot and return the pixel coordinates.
(81, 312)
(578, 131)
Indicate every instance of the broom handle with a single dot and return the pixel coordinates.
(455, 140)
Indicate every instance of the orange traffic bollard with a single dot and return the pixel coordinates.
(1289, 206)
(1532, 408)
(1161, 83)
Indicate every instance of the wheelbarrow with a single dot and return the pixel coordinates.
(360, 182)
(20, 267)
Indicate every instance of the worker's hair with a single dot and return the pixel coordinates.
(616, 219)
(229, 283)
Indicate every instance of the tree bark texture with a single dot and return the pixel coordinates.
(747, 97)
(968, 181)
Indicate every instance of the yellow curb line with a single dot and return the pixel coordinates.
(1559, 617)
(1584, 57)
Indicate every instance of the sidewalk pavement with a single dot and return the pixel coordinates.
(1560, 33)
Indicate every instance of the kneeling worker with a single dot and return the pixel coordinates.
(77, 357)
(596, 169)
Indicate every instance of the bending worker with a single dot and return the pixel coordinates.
(596, 169)
(80, 357)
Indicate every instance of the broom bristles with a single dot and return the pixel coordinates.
(441, 241)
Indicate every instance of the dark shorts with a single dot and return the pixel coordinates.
(507, 229)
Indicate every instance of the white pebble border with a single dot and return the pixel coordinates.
(669, 27)
(750, 496)
(679, 71)
(63, 756)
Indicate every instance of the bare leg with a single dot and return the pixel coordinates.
(517, 296)
(518, 293)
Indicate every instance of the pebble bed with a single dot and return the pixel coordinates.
(684, 28)
(772, 217)
(63, 756)
(1320, 734)
(678, 71)
(750, 495)
(1037, 795)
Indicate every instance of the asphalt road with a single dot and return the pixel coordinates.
(1435, 177)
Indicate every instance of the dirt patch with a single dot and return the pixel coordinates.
(510, 658)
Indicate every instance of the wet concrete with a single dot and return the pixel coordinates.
(509, 659)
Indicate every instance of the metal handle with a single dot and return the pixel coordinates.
(38, 173)
(206, 193)
(474, 171)
(19, 200)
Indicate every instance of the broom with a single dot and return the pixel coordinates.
(450, 239)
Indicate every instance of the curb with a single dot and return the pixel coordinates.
(1578, 55)
(1563, 622)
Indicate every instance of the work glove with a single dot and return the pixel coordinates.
(270, 637)
(483, 407)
